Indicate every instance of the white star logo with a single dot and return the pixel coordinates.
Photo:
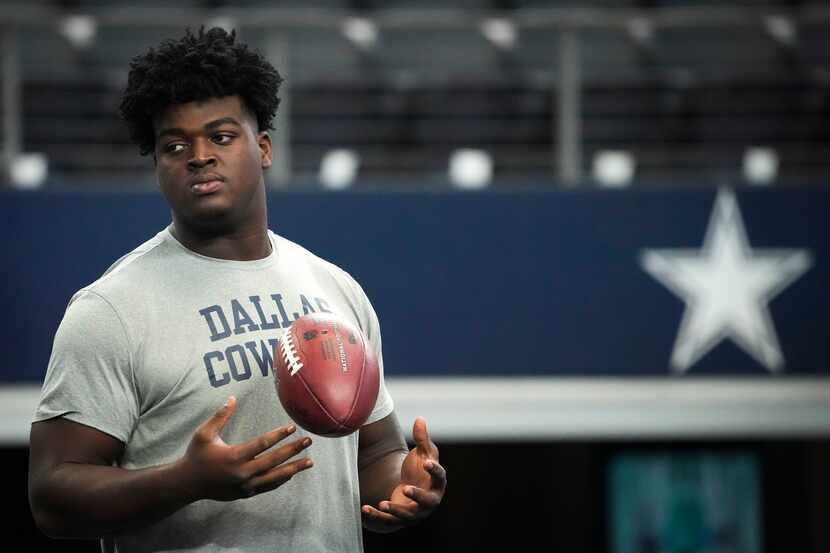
(727, 287)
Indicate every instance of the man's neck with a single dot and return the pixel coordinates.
(242, 245)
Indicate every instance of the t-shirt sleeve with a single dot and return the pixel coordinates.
(384, 404)
(371, 328)
(90, 377)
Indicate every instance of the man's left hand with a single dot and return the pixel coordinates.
(421, 489)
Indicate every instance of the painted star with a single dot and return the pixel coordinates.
(727, 287)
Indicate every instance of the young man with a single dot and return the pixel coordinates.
(159, 427)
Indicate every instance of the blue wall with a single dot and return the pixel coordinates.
(484, 284)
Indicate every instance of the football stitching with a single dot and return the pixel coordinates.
(294, 364)
(289, 352)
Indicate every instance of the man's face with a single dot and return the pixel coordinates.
(209, 161)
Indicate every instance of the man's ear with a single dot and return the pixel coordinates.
(264, 143)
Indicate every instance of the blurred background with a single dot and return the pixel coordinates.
(596, 234)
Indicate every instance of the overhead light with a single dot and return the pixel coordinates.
(613, 168)
(29, 171)
(362, 32)
(499, 31)
(760, 166)
(782, 28)
(338, 169)
(226, 23)
(641, 30)
(79, 30)
(471, 169)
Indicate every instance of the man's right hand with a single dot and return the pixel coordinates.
(76, 491)
(213, 469)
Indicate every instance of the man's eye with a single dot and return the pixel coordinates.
(174, 148)
(223, 138)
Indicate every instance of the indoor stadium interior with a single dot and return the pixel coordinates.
(596, 234)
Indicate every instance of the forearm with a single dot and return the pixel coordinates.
(380, 476)
(83, 500)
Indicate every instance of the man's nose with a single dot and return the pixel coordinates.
(202, 156)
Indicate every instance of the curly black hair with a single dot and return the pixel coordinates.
(196, 67)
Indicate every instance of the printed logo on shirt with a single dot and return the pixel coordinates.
(238, 361)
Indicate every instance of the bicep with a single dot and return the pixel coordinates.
(60, 456)
(56, 441)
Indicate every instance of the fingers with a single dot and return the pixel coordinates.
(276, 477)
(376, 517)
(420, 433)
(421, 436)
(404, 513)
(255, 446)
(425, 499)
(417, 504)
(214, 425)
(267, 461)
(438, 473)
(270, 470)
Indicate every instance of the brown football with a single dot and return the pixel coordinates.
(326, 374)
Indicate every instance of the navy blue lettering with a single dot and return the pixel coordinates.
(266, 360)
(208, 313)
(263, 324)
(278, 300)
(307, 307)
(241, 318)
(323, 305)
(215, 382)
(246, 367)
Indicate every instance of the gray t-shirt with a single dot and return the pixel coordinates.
(154, 347)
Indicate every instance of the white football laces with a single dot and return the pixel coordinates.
(289, 352)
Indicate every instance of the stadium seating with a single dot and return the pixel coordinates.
(685, 100)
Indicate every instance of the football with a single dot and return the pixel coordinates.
(326, 375)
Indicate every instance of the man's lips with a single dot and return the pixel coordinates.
(209, 187)
(206, 184)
